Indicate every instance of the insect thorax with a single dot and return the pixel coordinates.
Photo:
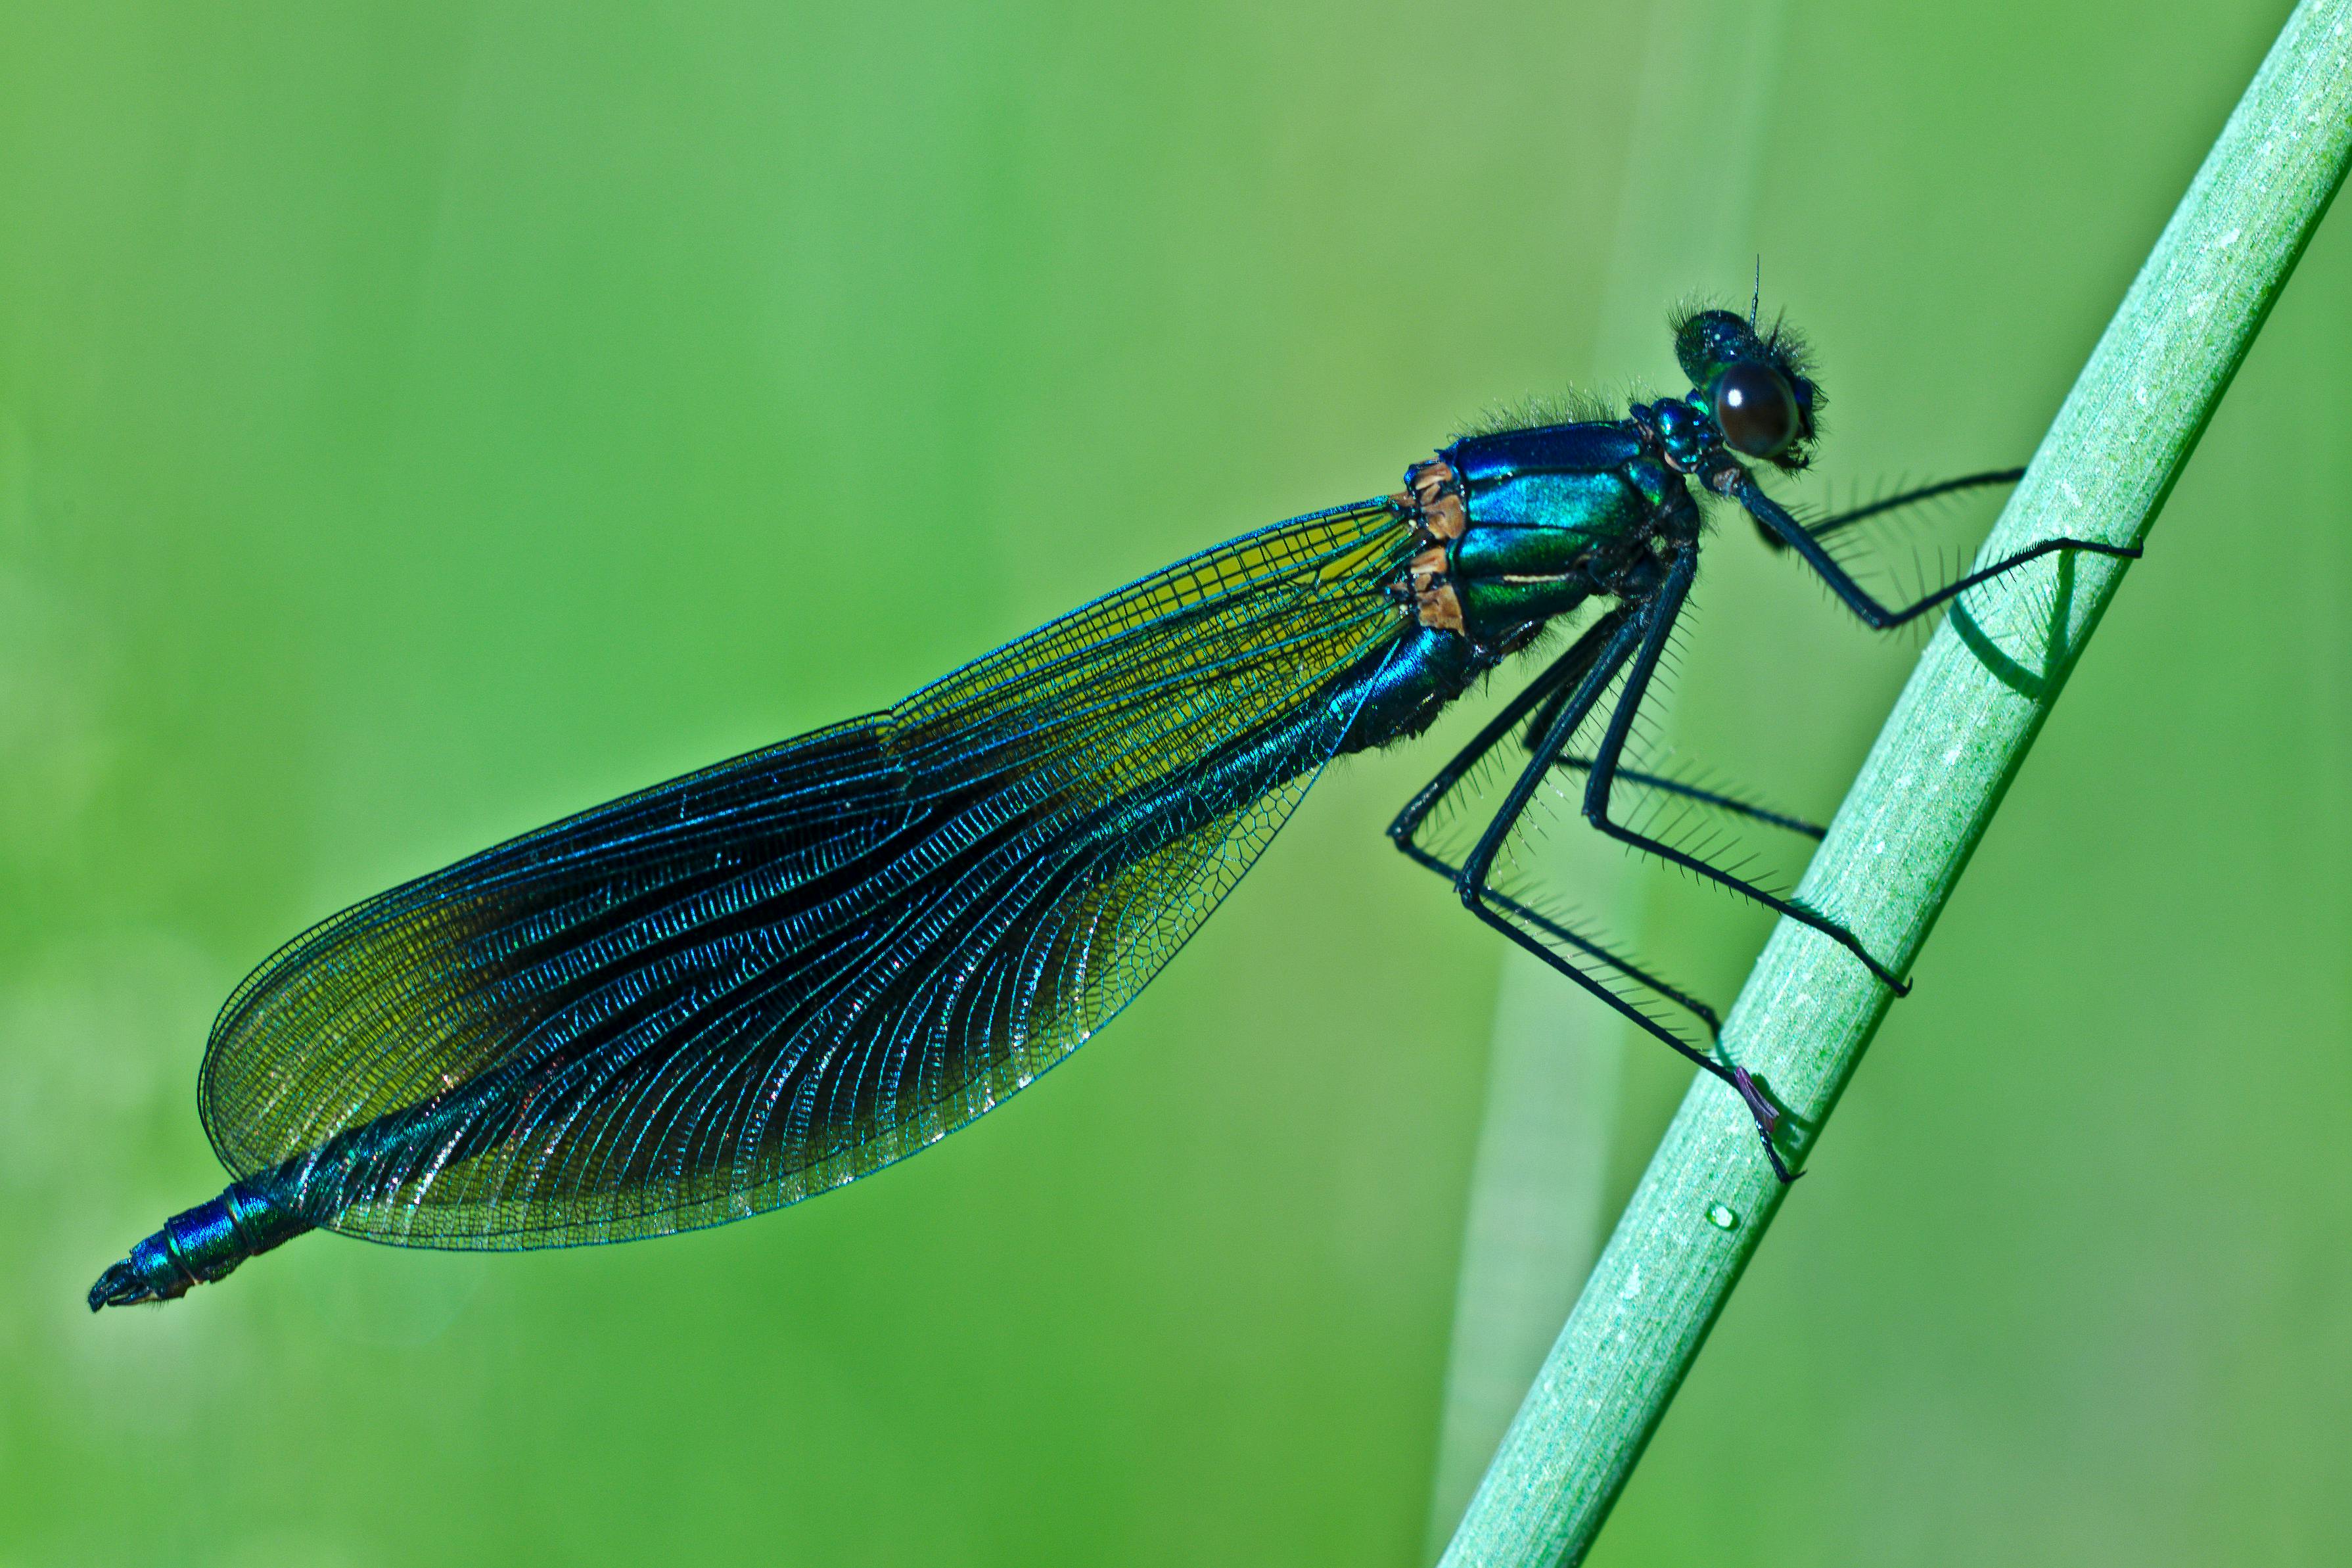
(1525, 525)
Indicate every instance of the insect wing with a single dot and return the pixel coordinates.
(766, 979)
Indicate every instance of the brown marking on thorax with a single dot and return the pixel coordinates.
(1432, 498)
(1433, 599)
(1435, 495)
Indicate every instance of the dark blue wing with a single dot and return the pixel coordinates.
(769, 978)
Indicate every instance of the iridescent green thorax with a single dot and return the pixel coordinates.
(1537, 544)
(1525, 525)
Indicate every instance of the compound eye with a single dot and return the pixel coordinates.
(1756, 410)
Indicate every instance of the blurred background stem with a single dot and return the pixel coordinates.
(1560, 1096)
(1941, 765)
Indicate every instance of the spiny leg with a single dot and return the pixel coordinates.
(1478, 898)
(1895, 503)
(1561, 674)
(1558, 677)
(1603, 777)
(1584, 944)
(1560, 693)
(1769, 514)
(1717, 798)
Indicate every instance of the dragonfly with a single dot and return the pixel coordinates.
(764, 980)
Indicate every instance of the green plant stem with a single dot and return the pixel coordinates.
(1956, 738)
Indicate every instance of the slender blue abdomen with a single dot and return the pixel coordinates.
(197, 1247)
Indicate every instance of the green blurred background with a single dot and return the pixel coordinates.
(418, 423)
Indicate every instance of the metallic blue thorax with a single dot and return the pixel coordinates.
(1554, 515)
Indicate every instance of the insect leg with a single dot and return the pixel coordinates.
(1556, 682)
(1471, 882)
(1559, 676)
(1717, 798)
(1895, 503)
(1769, 514)
(1560, 693)
(1707, 1015)
(1825, 527)
(1603, 777)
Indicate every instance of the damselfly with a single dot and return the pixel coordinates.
(767, 979)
